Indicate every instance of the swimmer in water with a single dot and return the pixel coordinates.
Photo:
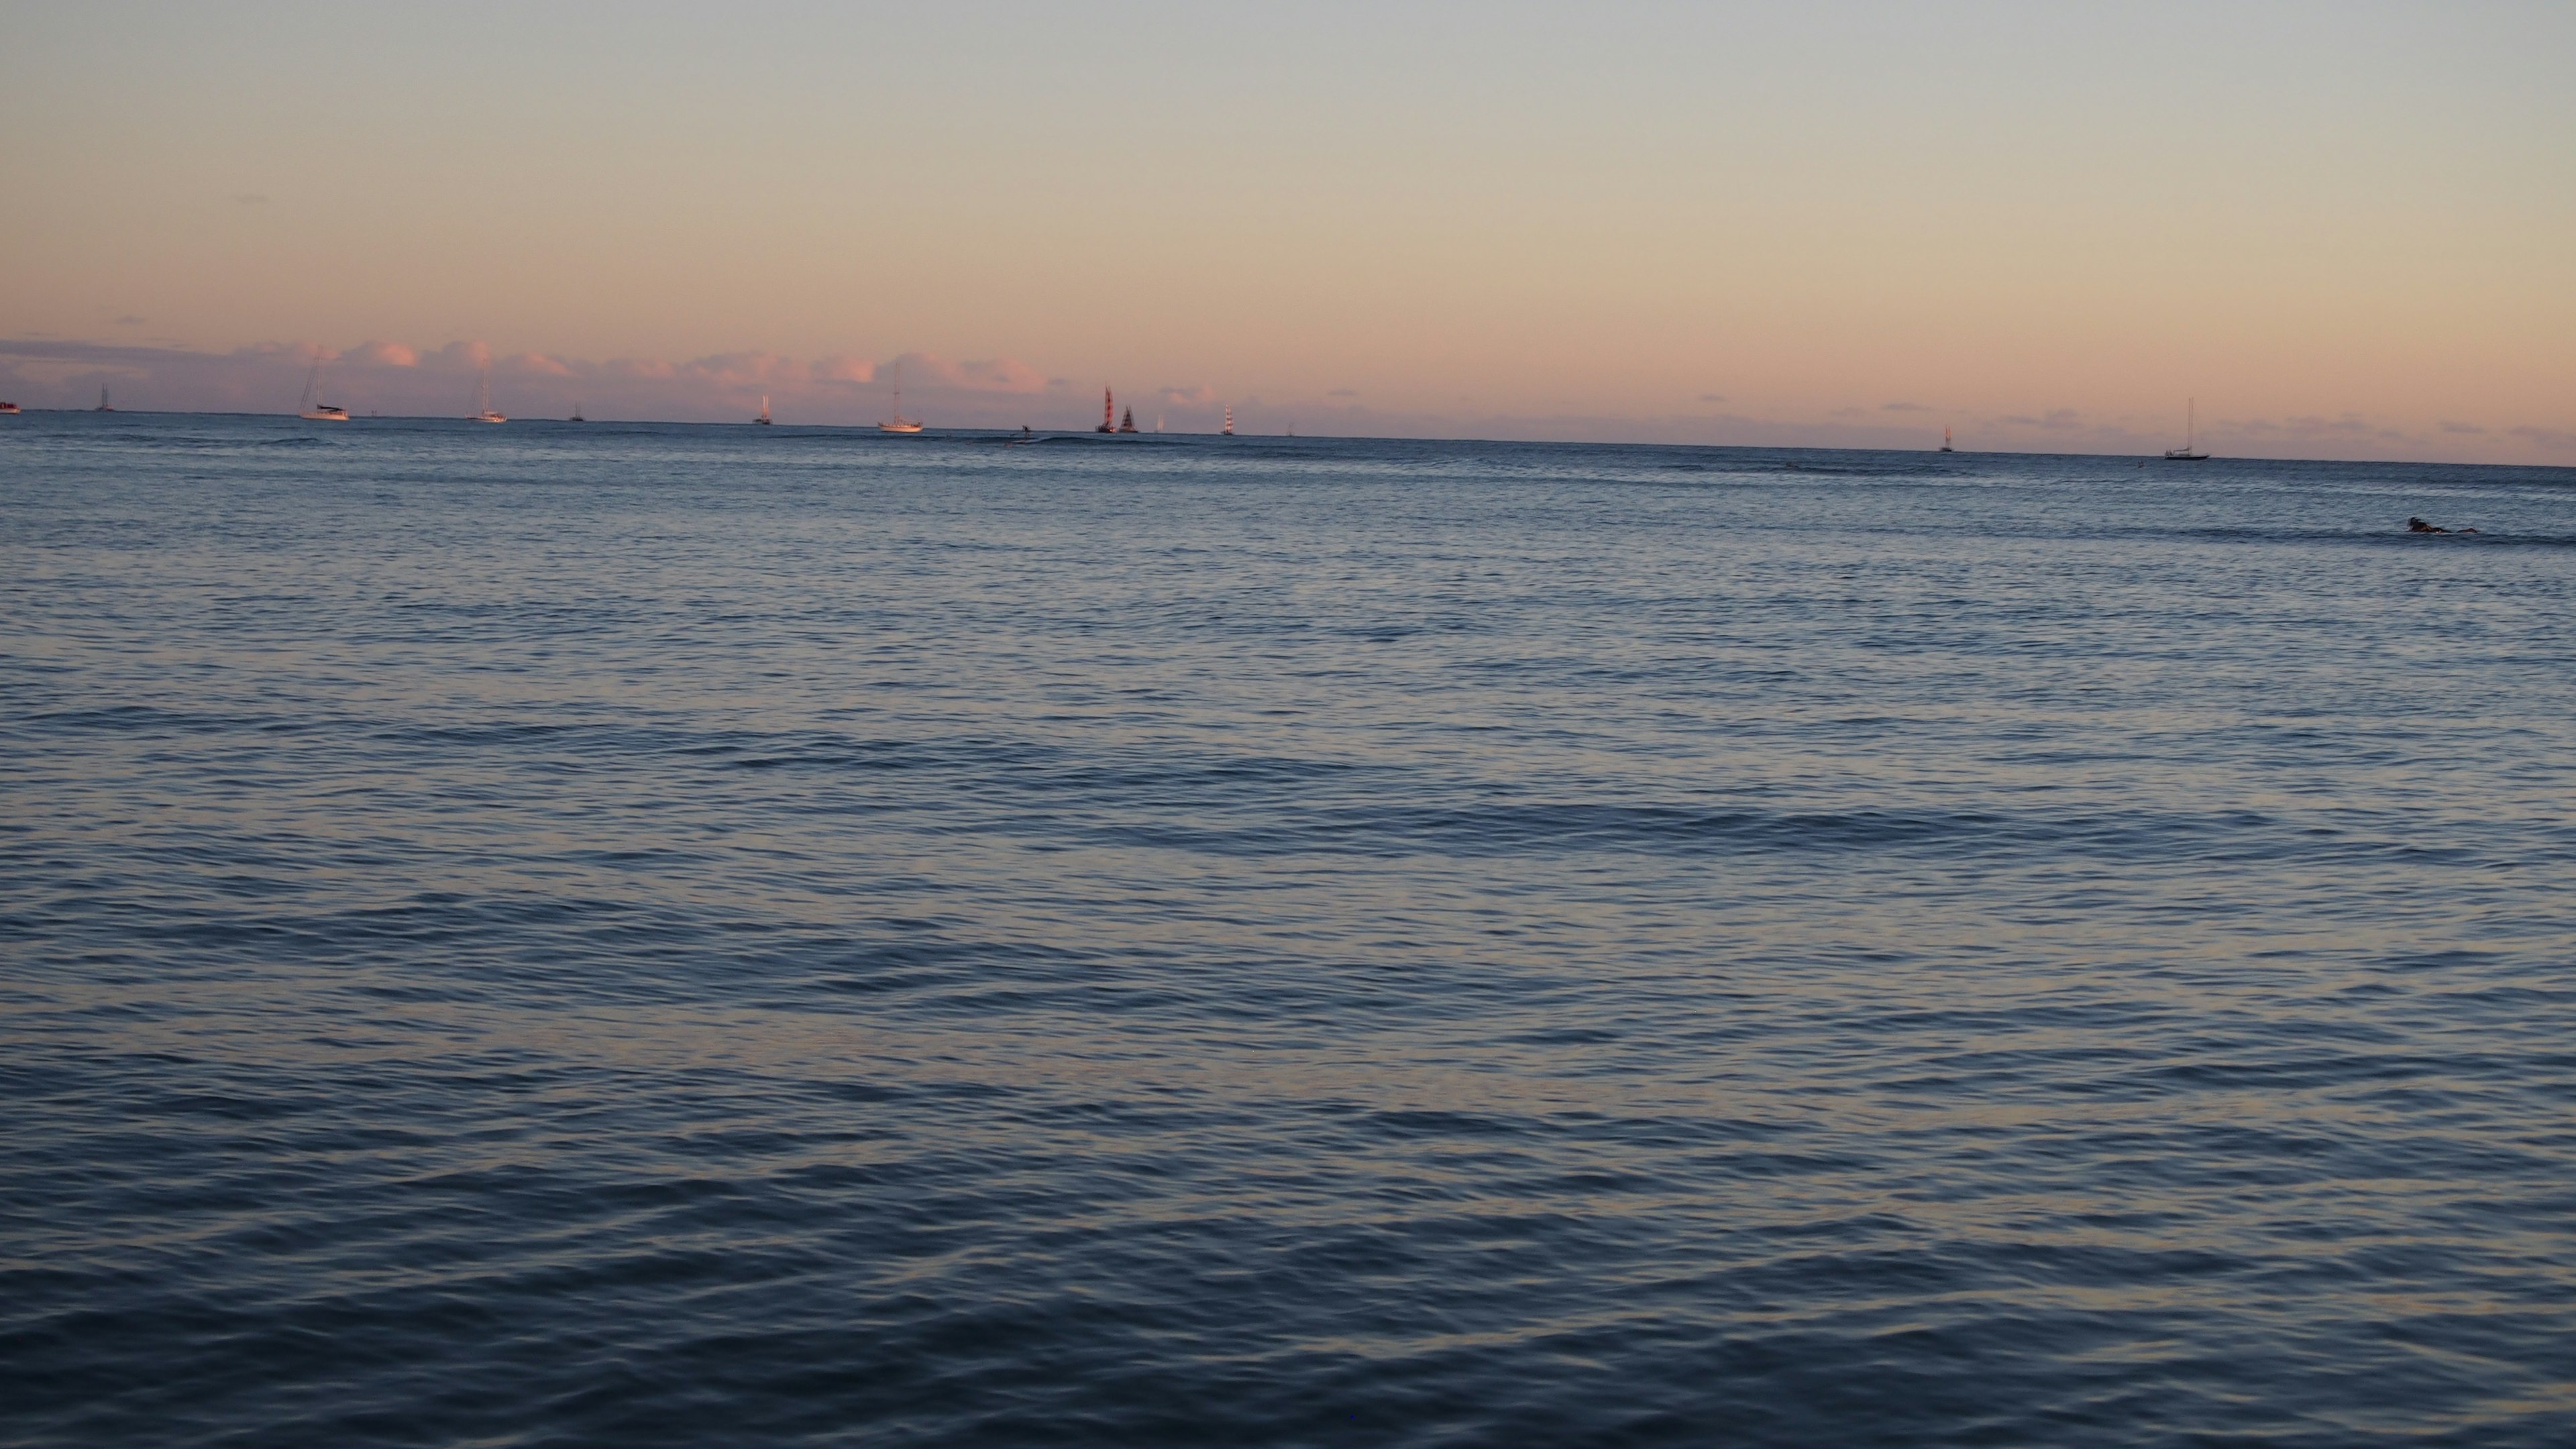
(2417, 525)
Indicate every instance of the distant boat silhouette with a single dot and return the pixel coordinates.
(483, 401)
(896, 424)
(1127, 423)
(763, 419)
(103, 405)
(576, 413)
(7, 408)
(1945, 441)
(312, 407)
(2187, 453)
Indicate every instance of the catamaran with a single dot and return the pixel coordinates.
(312, 407)
(899, 423)
(2187, 453)
(483, 401)
(1108, 412)
(7, 408)
(103, 404)
(763, 419)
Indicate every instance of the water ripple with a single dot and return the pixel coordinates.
(660, 935)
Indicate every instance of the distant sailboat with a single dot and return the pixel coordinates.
(1108, 412)
(576, 413)
(313, 408)
(896, 424)
(2187, 453)
(483, 401)
(1945, 441)
(1127, 422)
(104, 406)
(7, 408)
(1229, 420)
(763, 419)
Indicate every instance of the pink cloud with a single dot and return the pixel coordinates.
(726, 368)
(998, 374)
(456, 357)
(380, 353)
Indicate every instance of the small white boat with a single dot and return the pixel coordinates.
(312, 408)
(2188, 453)
(899, 423)
(483, 402)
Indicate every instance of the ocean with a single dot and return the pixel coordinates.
(551, 935)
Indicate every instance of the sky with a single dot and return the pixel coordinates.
(2348, 230)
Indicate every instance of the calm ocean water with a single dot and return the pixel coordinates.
(674, 935)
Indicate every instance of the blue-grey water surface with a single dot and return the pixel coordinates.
(671, 935)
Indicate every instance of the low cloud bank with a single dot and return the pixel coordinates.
(399, 379)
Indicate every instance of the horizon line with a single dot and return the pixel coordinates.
(870, 430)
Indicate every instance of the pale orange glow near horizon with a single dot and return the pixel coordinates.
(2347, 229)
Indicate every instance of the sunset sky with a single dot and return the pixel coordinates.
(2349, 229)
